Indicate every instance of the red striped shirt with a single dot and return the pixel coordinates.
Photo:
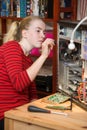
(16, 87)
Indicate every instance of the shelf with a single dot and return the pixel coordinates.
(16, 18)
(68, 39)
(65, 9)
(72, 24)
(12, 18)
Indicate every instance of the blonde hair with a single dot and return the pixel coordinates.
(15, 31)
(12, 32)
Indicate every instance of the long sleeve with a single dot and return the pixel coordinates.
(13, 59)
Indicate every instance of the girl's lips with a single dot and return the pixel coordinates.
(40, 41)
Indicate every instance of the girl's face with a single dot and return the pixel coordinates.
(36, 33)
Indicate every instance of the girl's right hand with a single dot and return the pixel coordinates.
(47, 46)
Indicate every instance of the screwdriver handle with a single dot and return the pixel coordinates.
(32, 108)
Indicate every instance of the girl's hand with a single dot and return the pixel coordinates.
(47, 46)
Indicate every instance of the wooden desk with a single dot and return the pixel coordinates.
(20, 119)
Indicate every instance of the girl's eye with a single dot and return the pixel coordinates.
(38, 30)
(44, 33)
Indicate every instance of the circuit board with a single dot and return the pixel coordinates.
(56, 98)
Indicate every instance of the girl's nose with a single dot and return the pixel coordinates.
(43, 34)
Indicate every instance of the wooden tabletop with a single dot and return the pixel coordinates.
(76, 119)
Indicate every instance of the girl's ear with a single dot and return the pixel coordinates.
(24, 33)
